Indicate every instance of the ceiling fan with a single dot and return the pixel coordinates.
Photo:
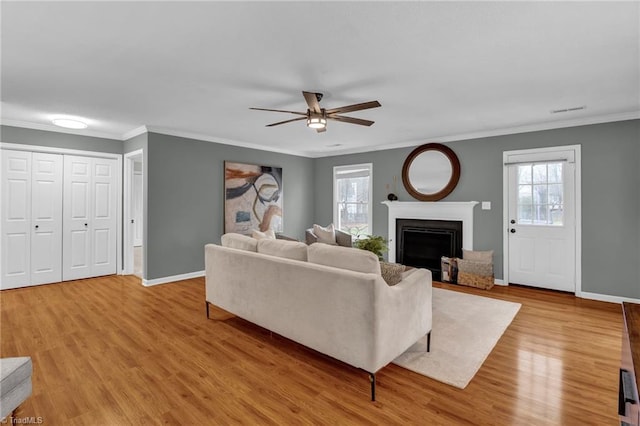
(317, 117)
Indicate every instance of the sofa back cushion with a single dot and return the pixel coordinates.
(283, 248)
(349, 258)
(239, 241)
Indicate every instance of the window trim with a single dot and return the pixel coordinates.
(347, 167)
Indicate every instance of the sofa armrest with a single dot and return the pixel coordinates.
(403, 315)
(343, 238)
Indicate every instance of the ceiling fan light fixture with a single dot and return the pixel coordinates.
(317, 122)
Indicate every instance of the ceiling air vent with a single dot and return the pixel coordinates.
(558, 111)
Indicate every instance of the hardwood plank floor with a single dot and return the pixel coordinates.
(108, 351)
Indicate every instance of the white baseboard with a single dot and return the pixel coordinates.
(173, 278)
(606, 297)
(498, 281)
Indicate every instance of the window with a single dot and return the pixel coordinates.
(540, 194)
(352, 207)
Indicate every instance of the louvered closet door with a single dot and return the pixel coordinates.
(16, 219)
(89, 241)
(46, 218)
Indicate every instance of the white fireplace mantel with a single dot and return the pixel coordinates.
(433, 210)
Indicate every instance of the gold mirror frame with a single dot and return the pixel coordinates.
(451, 184)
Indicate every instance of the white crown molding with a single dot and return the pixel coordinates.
(610, 118)
(52, 128)
(550, 125)
(135, 132)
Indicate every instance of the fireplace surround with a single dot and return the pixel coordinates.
(430, 210)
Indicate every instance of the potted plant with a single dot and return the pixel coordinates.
(373, 243)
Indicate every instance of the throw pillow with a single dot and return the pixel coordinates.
(392, 273)
(269, 233)
(239, 241)
(325, 234)
(478, 256)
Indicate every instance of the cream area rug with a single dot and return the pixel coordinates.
(465, 330)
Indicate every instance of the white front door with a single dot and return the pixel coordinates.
(46, 218)
(541, 222)
(90, 209)
(16, 219)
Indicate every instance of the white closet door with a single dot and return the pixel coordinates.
(16, 219)
(90, 217)
(103, 217)
(76, 261)
(46, 218)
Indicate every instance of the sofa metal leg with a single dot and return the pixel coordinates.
(207, 305)
(372, 379)
(429, 342)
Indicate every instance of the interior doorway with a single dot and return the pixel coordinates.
(134, 214)
(542, 218)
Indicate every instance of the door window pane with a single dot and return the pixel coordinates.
(524, 174)
(540, 194)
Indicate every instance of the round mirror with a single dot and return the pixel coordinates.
(431, 172)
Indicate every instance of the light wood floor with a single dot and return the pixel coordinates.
(107, 351)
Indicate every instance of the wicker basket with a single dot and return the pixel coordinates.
(484, 282)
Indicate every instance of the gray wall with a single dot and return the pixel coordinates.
(135, 143)
(610, 195)
(186, 198)
(10, 134)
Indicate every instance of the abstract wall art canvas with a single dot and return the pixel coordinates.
(253, 198)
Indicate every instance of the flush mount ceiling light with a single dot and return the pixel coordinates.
(69, 123)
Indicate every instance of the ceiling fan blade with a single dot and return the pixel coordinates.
(322, 129)
(280, 110)
(312, 101)
(351, 120)
(355, 107)
(286, 121)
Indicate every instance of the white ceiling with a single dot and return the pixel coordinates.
(442, 70)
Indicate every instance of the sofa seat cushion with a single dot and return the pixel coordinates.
(349, 258)
(15, 383)
(283, 248)
(239, 241)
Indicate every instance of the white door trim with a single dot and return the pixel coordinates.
(543, 154)
(117, 157)
(128, 192)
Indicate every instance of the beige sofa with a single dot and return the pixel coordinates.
(329, 298)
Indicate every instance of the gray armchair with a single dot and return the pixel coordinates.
(342, 238)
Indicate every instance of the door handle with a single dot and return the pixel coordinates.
(86, 224)
(513, 221)
(513, 231)
(37, 226)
